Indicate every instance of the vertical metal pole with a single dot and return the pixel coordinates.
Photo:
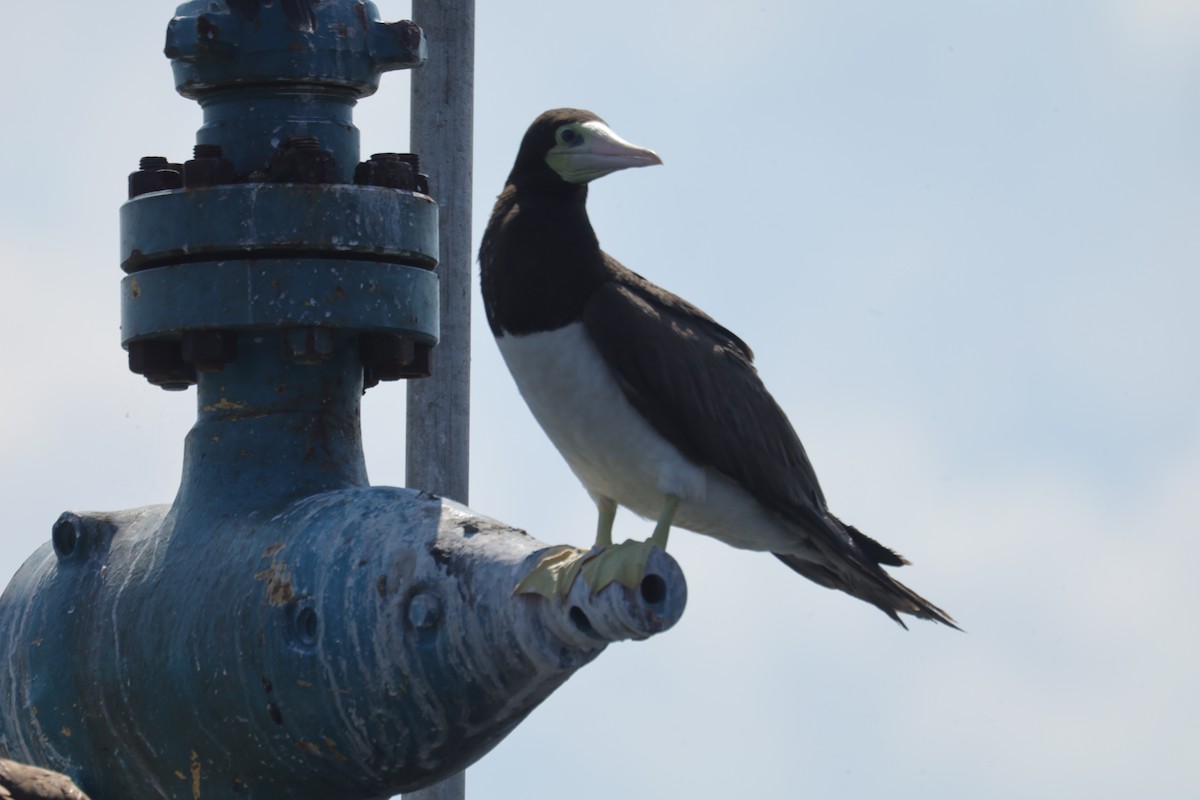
(441, 133)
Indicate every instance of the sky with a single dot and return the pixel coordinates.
(961, 239)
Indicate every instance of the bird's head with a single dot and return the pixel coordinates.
(575, 146)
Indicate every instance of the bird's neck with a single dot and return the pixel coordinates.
(540, 260)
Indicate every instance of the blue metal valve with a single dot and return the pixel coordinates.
(283, 628)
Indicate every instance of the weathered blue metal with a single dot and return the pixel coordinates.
(283, 628)
(306, 220)
(332, 53)
(275, 292)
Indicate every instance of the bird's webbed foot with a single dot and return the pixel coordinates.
(625, 563)
(554, 573)
(557, 570)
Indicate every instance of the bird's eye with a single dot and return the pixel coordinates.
(569, 136)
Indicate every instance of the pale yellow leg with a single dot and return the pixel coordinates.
(663, 528)
(607, 508)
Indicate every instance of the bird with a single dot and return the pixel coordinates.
(655, 406)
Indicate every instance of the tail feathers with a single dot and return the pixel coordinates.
(872, 549)
(871, 585)
(858, 571)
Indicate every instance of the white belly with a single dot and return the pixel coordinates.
(616, 454)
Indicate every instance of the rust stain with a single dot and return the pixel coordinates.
(308, 747)
(180, 775)
(305, 684)
(277, 577)
(195, 776)
(279, 583)
(333, 749)
(134, 289)
(65, 731)
(37, 724)
(223, 405)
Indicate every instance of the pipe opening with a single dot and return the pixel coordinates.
(654, 589)
(580, 620)
(65, 535)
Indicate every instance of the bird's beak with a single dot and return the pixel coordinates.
(599, 152)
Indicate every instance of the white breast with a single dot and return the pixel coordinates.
(617, 454)
(610, 447)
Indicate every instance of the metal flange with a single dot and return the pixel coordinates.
(365, 296)
(245, 220)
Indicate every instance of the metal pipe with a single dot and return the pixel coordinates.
(442, 103)
(441, 131)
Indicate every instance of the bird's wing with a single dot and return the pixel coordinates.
(695, 383)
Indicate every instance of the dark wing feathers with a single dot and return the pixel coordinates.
(702, 393)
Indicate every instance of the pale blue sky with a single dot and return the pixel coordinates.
(961, 239)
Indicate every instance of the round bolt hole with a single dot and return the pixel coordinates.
(654, 589)
(307, 627)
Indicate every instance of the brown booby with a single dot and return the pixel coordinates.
(654, 405)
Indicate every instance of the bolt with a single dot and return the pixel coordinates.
(207, 167)
(392, 170)
(300, 159)
(209, 350)
(391, 357)
(308, 345)
(422, 362)
(154, 174)
(161, 361)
